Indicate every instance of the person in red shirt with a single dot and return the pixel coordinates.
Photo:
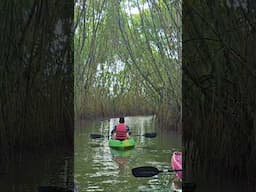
(120, 131)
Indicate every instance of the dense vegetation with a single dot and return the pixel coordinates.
(36, 80)
(128, 58)
(218, 88)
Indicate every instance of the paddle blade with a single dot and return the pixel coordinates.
(150, 135)
(145, 171)
(96, 136)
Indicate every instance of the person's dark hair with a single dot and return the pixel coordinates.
(121, 120)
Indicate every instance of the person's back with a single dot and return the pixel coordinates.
(121, 130)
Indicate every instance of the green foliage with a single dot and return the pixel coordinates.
(133, 55)
(36, 54)
(218, 63)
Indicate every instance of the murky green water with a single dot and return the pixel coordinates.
(98, 168)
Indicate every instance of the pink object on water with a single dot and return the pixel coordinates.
(176, 163)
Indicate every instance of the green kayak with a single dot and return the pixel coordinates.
(122, 145)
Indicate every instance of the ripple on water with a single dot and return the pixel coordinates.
(95, 145)
(154, 181)
(113, 182)
(144, 188)
(154, 151)
(101, 174)
(157, 163)
(107, 161)
(167, 151)
(94, 188)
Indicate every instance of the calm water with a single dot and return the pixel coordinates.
(98, 168)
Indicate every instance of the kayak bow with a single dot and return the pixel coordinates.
(176, 163)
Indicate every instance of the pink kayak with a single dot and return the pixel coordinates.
(176, 163)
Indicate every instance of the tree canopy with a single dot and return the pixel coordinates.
(128, 53)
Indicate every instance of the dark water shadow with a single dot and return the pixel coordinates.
(30, 171)
(218, 179)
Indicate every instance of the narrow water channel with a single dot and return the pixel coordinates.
(99, 168)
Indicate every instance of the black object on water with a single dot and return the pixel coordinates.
(145, 171)
(150, 135)
(148, 171)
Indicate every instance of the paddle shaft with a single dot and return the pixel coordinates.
(144, 135)
(148, 171)
(169, 170)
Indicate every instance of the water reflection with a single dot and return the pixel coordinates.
(99, 168)
(122, 164)
(176, 185)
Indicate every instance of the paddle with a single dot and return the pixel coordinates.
(148, 135)
(148, 171)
